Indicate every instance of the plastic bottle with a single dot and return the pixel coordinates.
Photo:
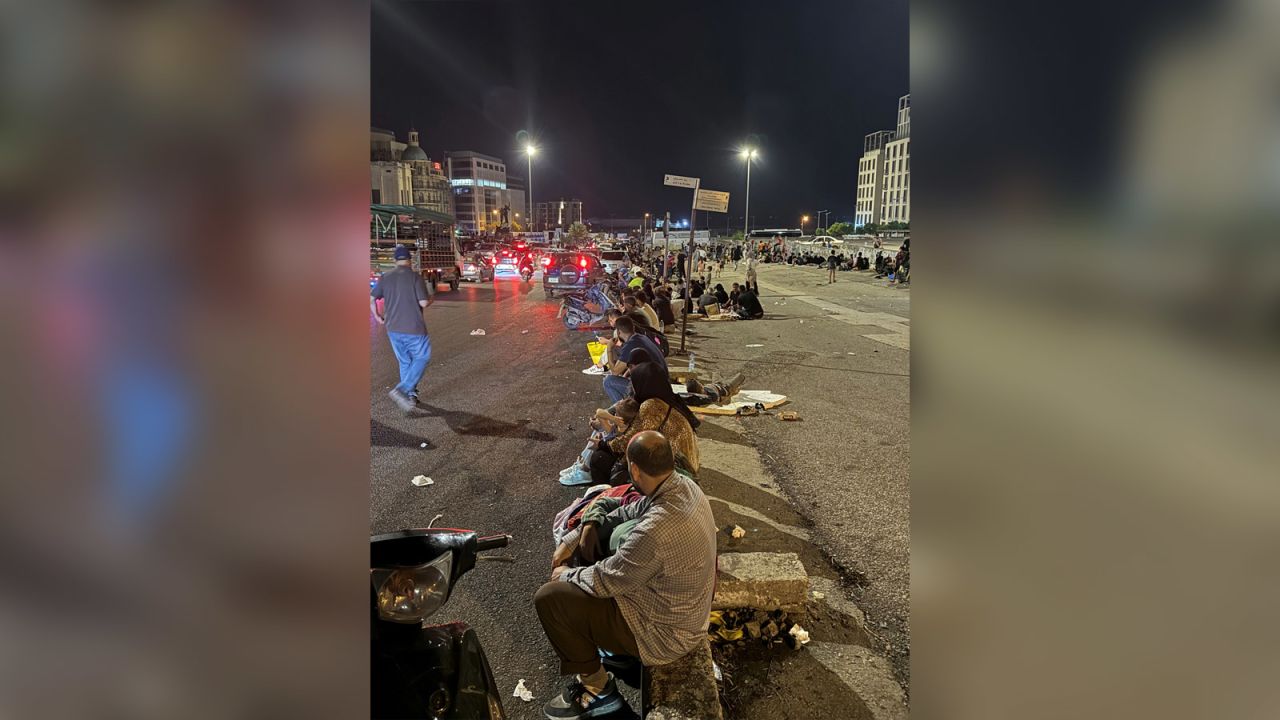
(692, 366)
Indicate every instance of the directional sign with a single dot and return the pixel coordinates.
(712, 201)
(679, 181)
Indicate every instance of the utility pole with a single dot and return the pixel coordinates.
(666, 249)
(688, 270)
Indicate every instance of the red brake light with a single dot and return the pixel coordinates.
(582, 262)
(546, 261)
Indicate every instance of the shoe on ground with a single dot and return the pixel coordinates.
(401, 399)
(577, 476)
(577, 702)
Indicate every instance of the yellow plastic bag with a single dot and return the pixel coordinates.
(597, 351)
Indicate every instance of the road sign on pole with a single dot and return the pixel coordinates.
(679, 181)
(712, 201)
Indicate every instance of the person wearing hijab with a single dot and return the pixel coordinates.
(662, 410)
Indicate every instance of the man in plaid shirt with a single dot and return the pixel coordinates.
(650, 599)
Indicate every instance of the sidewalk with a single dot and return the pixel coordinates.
(841, 353)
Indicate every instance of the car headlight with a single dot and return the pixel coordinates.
(411, 595)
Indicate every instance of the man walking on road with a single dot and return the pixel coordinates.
(831, 266)
(405, 297)
(650, 599)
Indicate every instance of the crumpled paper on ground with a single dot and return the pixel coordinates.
(478, 331)
(421, 480)
(738, 532)
(522, 692)
(800, 634)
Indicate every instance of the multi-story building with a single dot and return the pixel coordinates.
(557, 214)
(479, 190)
(403, 174)
(392, 179)
(871, 177)
(896, 205)
(517, 196)
(884, 173)
(430, 186)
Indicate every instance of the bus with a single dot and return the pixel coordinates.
(770, 233)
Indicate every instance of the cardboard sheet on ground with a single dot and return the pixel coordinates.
(770, 401)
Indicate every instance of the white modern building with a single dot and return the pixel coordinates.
(884, 173)
(896, 203)
(871, 177)
(479, 183)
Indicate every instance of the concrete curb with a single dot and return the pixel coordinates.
(683, 690)
(760, 580)
(868, 675)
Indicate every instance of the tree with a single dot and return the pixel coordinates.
(840, 229)
(870, 228)
(579, 233)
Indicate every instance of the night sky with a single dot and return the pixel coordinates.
(617, 94)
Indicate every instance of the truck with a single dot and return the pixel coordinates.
(428, 233)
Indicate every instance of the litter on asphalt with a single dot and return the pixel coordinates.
(800, 634)
(522, 692)
(524, 332)
(478, 331)
(738, 532)
(423, 445)
(818, 595)
(755, 345)
(422, 480)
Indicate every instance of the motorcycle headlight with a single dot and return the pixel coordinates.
(411, 595)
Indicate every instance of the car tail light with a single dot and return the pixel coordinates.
(582, 262)
(546, 262)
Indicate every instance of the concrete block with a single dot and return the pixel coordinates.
(684, 689)
(764, 581)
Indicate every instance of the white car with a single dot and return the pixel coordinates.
(612, 259)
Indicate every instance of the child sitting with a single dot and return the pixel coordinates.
(606, 426)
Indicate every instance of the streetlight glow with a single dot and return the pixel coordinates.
(529, 151)
(748, 154)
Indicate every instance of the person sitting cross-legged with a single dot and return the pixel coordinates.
(650, 599)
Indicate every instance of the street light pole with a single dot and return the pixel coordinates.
(746, 215)
(530, 151)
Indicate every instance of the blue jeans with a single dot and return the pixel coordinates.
(616, 387)
(413, 352)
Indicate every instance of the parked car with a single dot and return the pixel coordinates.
(570, 271)
(476, 268)
(612, 259)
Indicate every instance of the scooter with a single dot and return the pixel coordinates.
(583, 310)
(419, 670)
(526, 268)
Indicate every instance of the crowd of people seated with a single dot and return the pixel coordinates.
(634, 567)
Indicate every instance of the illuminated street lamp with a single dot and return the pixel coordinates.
(748, 154)
(530, 150)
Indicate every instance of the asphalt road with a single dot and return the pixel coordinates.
(503, 414)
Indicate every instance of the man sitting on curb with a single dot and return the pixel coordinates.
(651, 598)
(616, 384)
